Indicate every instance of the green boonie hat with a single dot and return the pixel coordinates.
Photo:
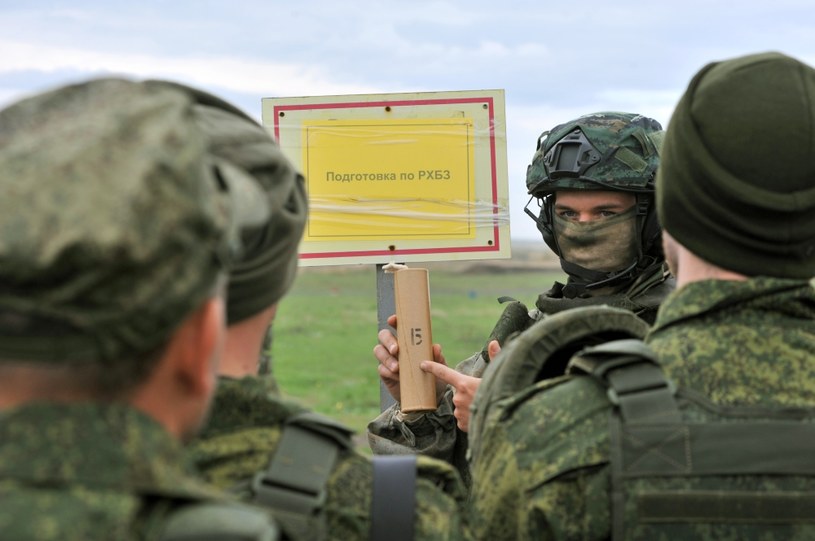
(737, 181)
(115, 220)
(598, 151)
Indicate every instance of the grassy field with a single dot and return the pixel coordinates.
(326, 329)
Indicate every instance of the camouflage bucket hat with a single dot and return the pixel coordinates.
(115, 220)
(599, 151)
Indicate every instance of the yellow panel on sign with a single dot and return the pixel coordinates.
(389, 179)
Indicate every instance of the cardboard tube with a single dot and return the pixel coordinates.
(412, 296)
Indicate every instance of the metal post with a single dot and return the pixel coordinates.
(385, 307)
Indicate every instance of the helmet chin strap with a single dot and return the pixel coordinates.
(583, 280)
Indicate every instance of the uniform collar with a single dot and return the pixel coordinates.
(795, 298)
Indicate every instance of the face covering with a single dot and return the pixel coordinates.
(606, 245)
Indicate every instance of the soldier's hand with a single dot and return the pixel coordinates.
(386, 352)
(464, 390)
(493, 349)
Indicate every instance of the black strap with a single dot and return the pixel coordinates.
(394, 498)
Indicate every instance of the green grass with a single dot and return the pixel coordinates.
(326, 327)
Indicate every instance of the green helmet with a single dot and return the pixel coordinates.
(600, 151)
(613, 151)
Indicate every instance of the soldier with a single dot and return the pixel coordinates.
(593, 178)
(720, 450)
(116, 229)
(273, 451)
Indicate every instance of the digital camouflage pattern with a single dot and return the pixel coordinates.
(542, 472)
(244, 432)
(435, 433)
(121, 198)
(93, 472)
(621, 153)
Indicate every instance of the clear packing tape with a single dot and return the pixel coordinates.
(457, 216)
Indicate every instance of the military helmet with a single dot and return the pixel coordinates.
(613, 151)
(600, 151)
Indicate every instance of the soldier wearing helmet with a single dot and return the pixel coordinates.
(593, 181)
(700, 430)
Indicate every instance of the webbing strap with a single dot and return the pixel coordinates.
(394, 498)
(294, 484)
(634, 379)
(735, 448)
(708, 506)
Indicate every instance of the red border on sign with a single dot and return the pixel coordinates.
(494, 247)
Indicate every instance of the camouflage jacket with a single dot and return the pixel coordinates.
(243, 434)
(543, 472)
(90, 471)
(436, 434)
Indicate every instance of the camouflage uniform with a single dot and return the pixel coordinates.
(108, 197)
(543, 473)
(640, 288)
(93, 471)
(244, 432)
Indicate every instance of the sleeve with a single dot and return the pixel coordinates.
(432, 433)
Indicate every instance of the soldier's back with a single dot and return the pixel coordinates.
(92, 471)
(240, 450)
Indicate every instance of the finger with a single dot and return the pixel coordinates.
(385, 358)
(388, 377)
(493, 349)
(392, 320)
(391, 382)
(388, 340)
(442, 372)
(437, 355)
(462, 419)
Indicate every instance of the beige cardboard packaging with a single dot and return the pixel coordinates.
(412, 296)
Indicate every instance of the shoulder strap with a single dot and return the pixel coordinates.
(634, 379)
(542, 352)
(211, 521)
(394, 498)
(649, 439)
(293, 486)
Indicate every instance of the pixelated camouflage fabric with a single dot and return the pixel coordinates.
(542, 472)
(244, 431)
(435, 433)
(86, 471)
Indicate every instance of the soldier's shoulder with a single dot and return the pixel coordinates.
(227, 521)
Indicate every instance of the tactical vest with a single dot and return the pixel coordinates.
(642, 297)
(294, 484)
(681, 467)
(685, 468)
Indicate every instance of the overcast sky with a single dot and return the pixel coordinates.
(555, 60)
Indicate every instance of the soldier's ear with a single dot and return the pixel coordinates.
(199, 346)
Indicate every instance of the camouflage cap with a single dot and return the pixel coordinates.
(598, 151)
(115, 220)
(268, 263)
